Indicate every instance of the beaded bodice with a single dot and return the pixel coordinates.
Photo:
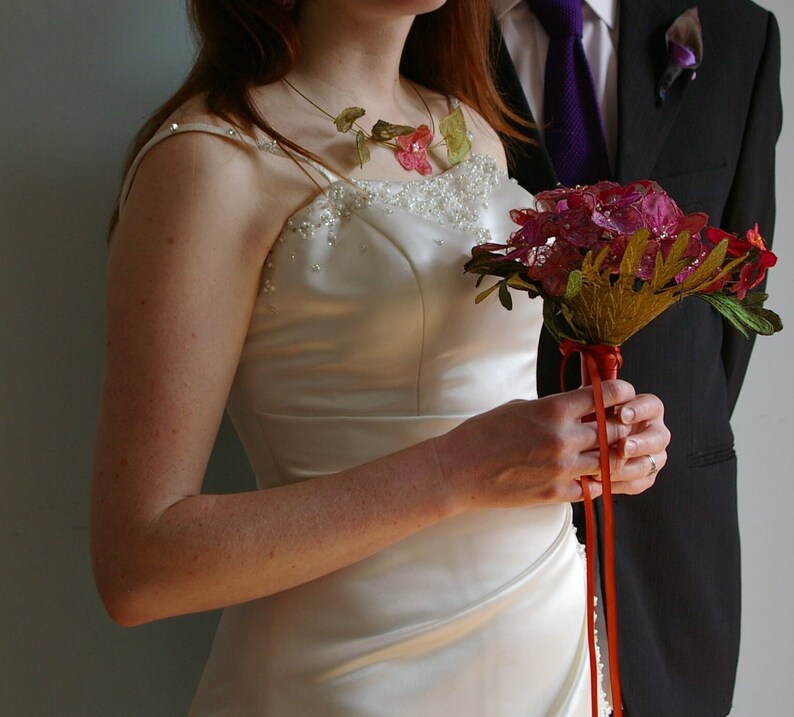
(365, 317)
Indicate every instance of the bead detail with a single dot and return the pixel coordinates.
(453, 200)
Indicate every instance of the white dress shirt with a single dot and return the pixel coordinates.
(528, 43)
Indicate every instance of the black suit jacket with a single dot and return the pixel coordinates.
(711, 146)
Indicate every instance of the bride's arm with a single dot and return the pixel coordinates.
(182, 280)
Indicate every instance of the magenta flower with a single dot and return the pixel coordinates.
(413, 150)
(661, 215)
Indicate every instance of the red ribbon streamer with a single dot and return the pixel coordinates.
(599, 363)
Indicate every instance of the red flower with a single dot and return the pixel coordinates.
(576, 226)
(737, 246)
(752, 245)
(753, 274)
(552, 263)
(413, 150)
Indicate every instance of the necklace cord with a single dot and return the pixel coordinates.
(332, 117)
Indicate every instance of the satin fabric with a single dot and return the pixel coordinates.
(365, 339)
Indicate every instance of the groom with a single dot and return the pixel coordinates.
(710, 144)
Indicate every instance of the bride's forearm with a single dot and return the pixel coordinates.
(209, 551)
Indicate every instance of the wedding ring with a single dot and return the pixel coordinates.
(653, 469)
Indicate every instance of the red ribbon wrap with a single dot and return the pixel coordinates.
(599, 363)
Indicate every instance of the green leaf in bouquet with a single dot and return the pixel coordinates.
(345, 120)
(516, 281)
(773, 319)
(383, 131)
(361, 148)
(504, 295)
(759, 320)
(551, 321)
(574, 285)
(485, 294)
(453, 129)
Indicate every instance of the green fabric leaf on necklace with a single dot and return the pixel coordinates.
(453, 129)
(345, 120)
(410, 144)
(383, 131)
(361, 148)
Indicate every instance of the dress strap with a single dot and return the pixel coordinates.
(231, 133)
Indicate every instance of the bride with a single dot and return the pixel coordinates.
(410, 549)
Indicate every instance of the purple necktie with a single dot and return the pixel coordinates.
(574, 133)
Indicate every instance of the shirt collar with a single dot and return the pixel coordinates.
(607, 10)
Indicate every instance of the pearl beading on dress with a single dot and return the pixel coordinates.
(454, 199)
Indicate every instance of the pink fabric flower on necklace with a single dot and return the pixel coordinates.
(412, 154)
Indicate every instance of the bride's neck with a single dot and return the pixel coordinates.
(350, 60)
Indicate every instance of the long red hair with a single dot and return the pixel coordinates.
(246, 43)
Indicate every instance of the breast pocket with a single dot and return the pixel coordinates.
(700, 189)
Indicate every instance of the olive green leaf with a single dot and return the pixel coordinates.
(574, 285)
(485, 294)
(383, 131)
(345, 120)
(361, 148)
(453, 129)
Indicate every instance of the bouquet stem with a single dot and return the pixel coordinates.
(599, 363)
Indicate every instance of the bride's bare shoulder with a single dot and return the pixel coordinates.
(201, 157)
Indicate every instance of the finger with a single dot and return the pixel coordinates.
(589, 463)
(644, 466)
(651, 440)
(580, 402)
(595, 487)
(644, 407)
(639, 474)
(617, 432)
(629, 477)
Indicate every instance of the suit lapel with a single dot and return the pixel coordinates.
(642, 125)
(530, 164)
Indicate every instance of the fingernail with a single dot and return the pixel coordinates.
(630, 448)
(627, 414)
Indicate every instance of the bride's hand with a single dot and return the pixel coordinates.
(636, 459)
(533, 452)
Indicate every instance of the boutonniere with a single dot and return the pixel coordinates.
(684, 40)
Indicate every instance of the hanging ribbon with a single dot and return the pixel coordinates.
(599, 363)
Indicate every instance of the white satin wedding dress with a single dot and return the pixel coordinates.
(366, 339)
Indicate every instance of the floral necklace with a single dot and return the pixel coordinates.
(410, 144)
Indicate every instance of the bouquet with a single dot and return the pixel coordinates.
(606, 260)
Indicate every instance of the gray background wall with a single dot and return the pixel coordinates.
(76, 79)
